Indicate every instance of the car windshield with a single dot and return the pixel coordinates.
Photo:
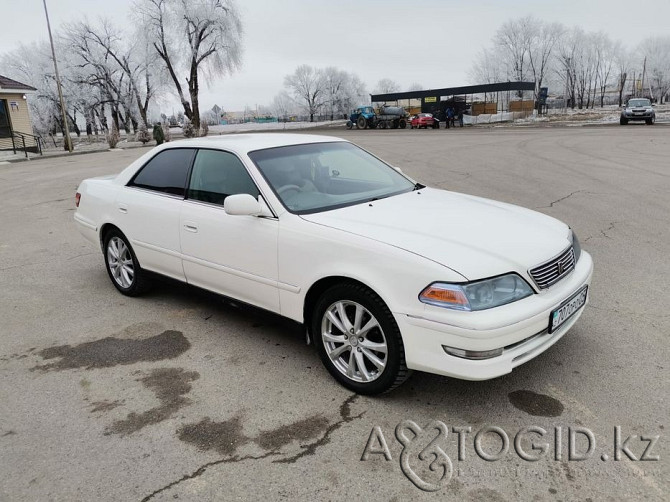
(639, 102)
(320, 176)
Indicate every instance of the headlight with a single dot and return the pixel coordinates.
(572, 237)
(478, 295)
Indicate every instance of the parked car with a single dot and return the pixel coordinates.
(424, 120)
(318, 230)
(638, 109)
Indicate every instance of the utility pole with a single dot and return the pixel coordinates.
(66, 128)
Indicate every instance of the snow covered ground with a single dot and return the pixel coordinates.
(271, 126)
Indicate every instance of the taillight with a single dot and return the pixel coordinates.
(77, 198)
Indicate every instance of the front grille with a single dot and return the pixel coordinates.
(554, 270)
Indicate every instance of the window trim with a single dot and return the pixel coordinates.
(131, 181)
(220, 206)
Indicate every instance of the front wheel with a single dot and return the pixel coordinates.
(358, 339)
(623, 121)
(651, 121)
(122, 265)
(350, 124)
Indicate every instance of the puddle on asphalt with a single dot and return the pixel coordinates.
(308, 428)
(538, 405)
(223, 437)
(111, 351)
(170, 386)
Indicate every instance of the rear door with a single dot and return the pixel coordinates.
(232, 255)
(148, 210)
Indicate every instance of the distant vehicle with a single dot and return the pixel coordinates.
(638, 109)
(391, 117)
(386, 274)
(425, 120)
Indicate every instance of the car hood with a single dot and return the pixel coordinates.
(473, 236)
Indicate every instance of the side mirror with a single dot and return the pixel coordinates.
(397, 169)
(242, 204)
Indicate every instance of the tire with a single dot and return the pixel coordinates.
(650, 121)
(128, 278)
(361, 123)
(382, 124)
(402, 123)
(380, 372)
(623, 121)
(350, 124)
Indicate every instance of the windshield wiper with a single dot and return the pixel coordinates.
(418, 186)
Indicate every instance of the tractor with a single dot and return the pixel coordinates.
(386, 116)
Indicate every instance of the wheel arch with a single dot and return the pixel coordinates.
(319, 287)
(104, 230)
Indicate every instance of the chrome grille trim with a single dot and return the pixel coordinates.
(549, 273)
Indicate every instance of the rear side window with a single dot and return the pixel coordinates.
(166, 172)
(216, 175)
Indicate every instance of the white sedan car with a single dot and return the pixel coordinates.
(387, 275)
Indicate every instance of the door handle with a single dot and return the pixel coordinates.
(191, 227)
(123, 208)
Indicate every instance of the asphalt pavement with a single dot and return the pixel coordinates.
(181, 395)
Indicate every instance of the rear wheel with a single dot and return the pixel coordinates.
(122, 266)
(402, 123)
(382, 124)
(361, 123)
(358, 339)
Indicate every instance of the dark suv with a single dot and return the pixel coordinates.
(638, 109)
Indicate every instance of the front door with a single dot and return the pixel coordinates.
(233, 255)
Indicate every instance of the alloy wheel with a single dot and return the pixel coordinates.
(120, 262)
(354, 341)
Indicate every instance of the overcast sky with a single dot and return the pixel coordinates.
(431, 42)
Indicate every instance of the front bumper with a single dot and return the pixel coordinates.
(638, 116)
(520, 328)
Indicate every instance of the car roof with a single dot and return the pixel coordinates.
(245, 143)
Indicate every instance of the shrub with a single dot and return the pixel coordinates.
(143, 134)
(189, 130)
(113, 137)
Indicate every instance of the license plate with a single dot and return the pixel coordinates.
(569, 308)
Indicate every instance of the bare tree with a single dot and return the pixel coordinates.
(308, 86)
(415, 87)
(513, 40)
(386, 86)
(622, 58)
(283, 105)
(657, 52)
(487, 68)
(606, 55)
(199, 38)
(542, 40)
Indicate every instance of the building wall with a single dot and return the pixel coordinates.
(19, 115)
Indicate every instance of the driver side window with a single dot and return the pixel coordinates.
(218, 174)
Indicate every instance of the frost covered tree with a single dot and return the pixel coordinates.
(193, 39)
(656, 50)
(104, 44)
(308, 86)
(386, 86)
(283, 105)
